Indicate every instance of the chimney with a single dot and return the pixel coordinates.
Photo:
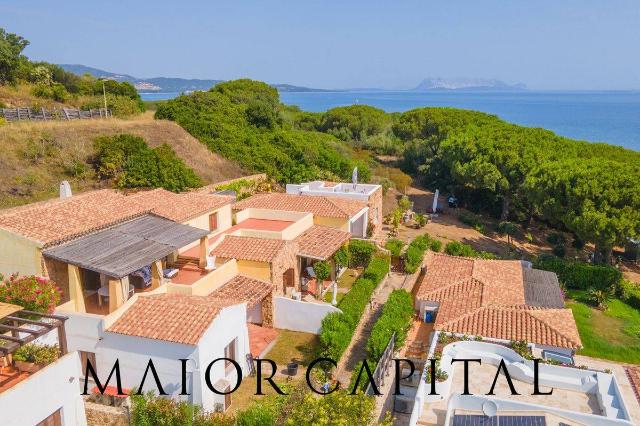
(65, 190)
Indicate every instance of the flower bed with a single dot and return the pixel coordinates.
(38, 294)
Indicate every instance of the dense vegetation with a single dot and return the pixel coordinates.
(416, 249)
(338, 327)
(244, 121)
(49, 81)
(132, 164)
(579, 275)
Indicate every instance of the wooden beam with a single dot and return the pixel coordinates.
(116, 298)
(204, 251)
(156, 274)
(75, 288)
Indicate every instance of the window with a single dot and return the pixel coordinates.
(213, 221)
(230, 352)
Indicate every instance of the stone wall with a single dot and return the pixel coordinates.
(286, 259)
(103, 415)
(375, 209)
(267, 311)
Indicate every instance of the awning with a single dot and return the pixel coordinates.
(125, 248)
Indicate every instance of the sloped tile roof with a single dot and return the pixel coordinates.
(243, 289)
(55, 221)
(171, 317)
(324, 206)
(321, 241)
(180, 207)
(248, 248)
(499, 299)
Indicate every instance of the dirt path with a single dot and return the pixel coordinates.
(357, 349)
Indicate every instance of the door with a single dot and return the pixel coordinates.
(213, 222)
(288, 279)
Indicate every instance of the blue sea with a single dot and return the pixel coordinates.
(611, 117)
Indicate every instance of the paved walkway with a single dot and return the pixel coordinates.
(357, 349)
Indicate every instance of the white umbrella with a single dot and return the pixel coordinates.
(435, 201)
(354, 177)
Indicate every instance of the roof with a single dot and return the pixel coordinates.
(170, 317)
(325, 206)
(321, 242)
(248, 248)
(498, 299)
(55, 221)
(244, 289)
(183, 206)
(126, 247)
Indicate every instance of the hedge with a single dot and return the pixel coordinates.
(456, 248)
(396, 317)
(579, 275)
(361, 252)
(394, 246)
(415, 251)
(338, 327)
(629, 293)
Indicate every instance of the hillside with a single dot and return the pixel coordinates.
(38, 155)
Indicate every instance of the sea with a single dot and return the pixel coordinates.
(610, 117)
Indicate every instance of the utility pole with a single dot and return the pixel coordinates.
(104, 95)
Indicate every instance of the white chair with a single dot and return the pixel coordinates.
(211, 263)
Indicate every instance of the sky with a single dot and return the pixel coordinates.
(545, 44)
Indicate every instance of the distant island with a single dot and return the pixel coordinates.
(168, 84)
(466, 84)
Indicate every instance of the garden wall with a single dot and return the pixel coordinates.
(295, 315)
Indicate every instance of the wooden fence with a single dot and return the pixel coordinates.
(20, 114)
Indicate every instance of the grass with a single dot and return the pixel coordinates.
(328, 297)
(613, 334)
(347, 278)
(294, 345)
(37, 156)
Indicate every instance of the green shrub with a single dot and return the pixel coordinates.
(629, 293)
(341, 257)
(556, 238)
(33, 293)
(559, 250)
(456, 248)
(150, 410)
(39, 354)
(322, 270)
(361, 252)
(579, 275)
(415, 252)
(396, 317)
(472, 220)
(128, 160)
(377, 269)
(394, 246)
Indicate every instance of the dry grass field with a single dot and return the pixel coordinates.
(36, 156)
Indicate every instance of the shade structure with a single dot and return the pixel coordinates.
(125, 248)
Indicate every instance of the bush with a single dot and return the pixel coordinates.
(33, 293)
(556, 238)
(39, 354)
(456, 248)
(415, 252)
(396, 317)
(472, 220)
(132, 164)
(559, 250)
(149, 410)
(338, 327)
(336, 408)
(579, 275)
(322, 270)
(341, 257)
(629, 293)
(120, 106)
(361, 252)
(394, 246)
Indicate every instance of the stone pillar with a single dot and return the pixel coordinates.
(334, 300)
(75, 288)
(204, 251)
(116, 298)
(267, 311)
(156, 274)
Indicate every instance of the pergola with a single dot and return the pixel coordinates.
(122, 249)
(19, 327)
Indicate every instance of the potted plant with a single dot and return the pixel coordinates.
(292, 368)
(32, 357)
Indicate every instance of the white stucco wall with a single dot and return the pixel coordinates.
(296, 315)
(18, 254)
(37, 397)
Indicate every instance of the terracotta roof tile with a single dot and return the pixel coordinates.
(321, 241)
(170, 317)
(55, 221)
(180, 207)
(248, 248)
(490, 298)
(243, 289)
(324, 206)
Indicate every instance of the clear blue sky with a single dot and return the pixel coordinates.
(546, 44)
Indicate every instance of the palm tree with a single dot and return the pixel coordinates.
(600, 297)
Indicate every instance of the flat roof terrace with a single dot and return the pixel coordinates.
(480, 380)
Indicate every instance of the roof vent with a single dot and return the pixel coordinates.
(65, 190)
